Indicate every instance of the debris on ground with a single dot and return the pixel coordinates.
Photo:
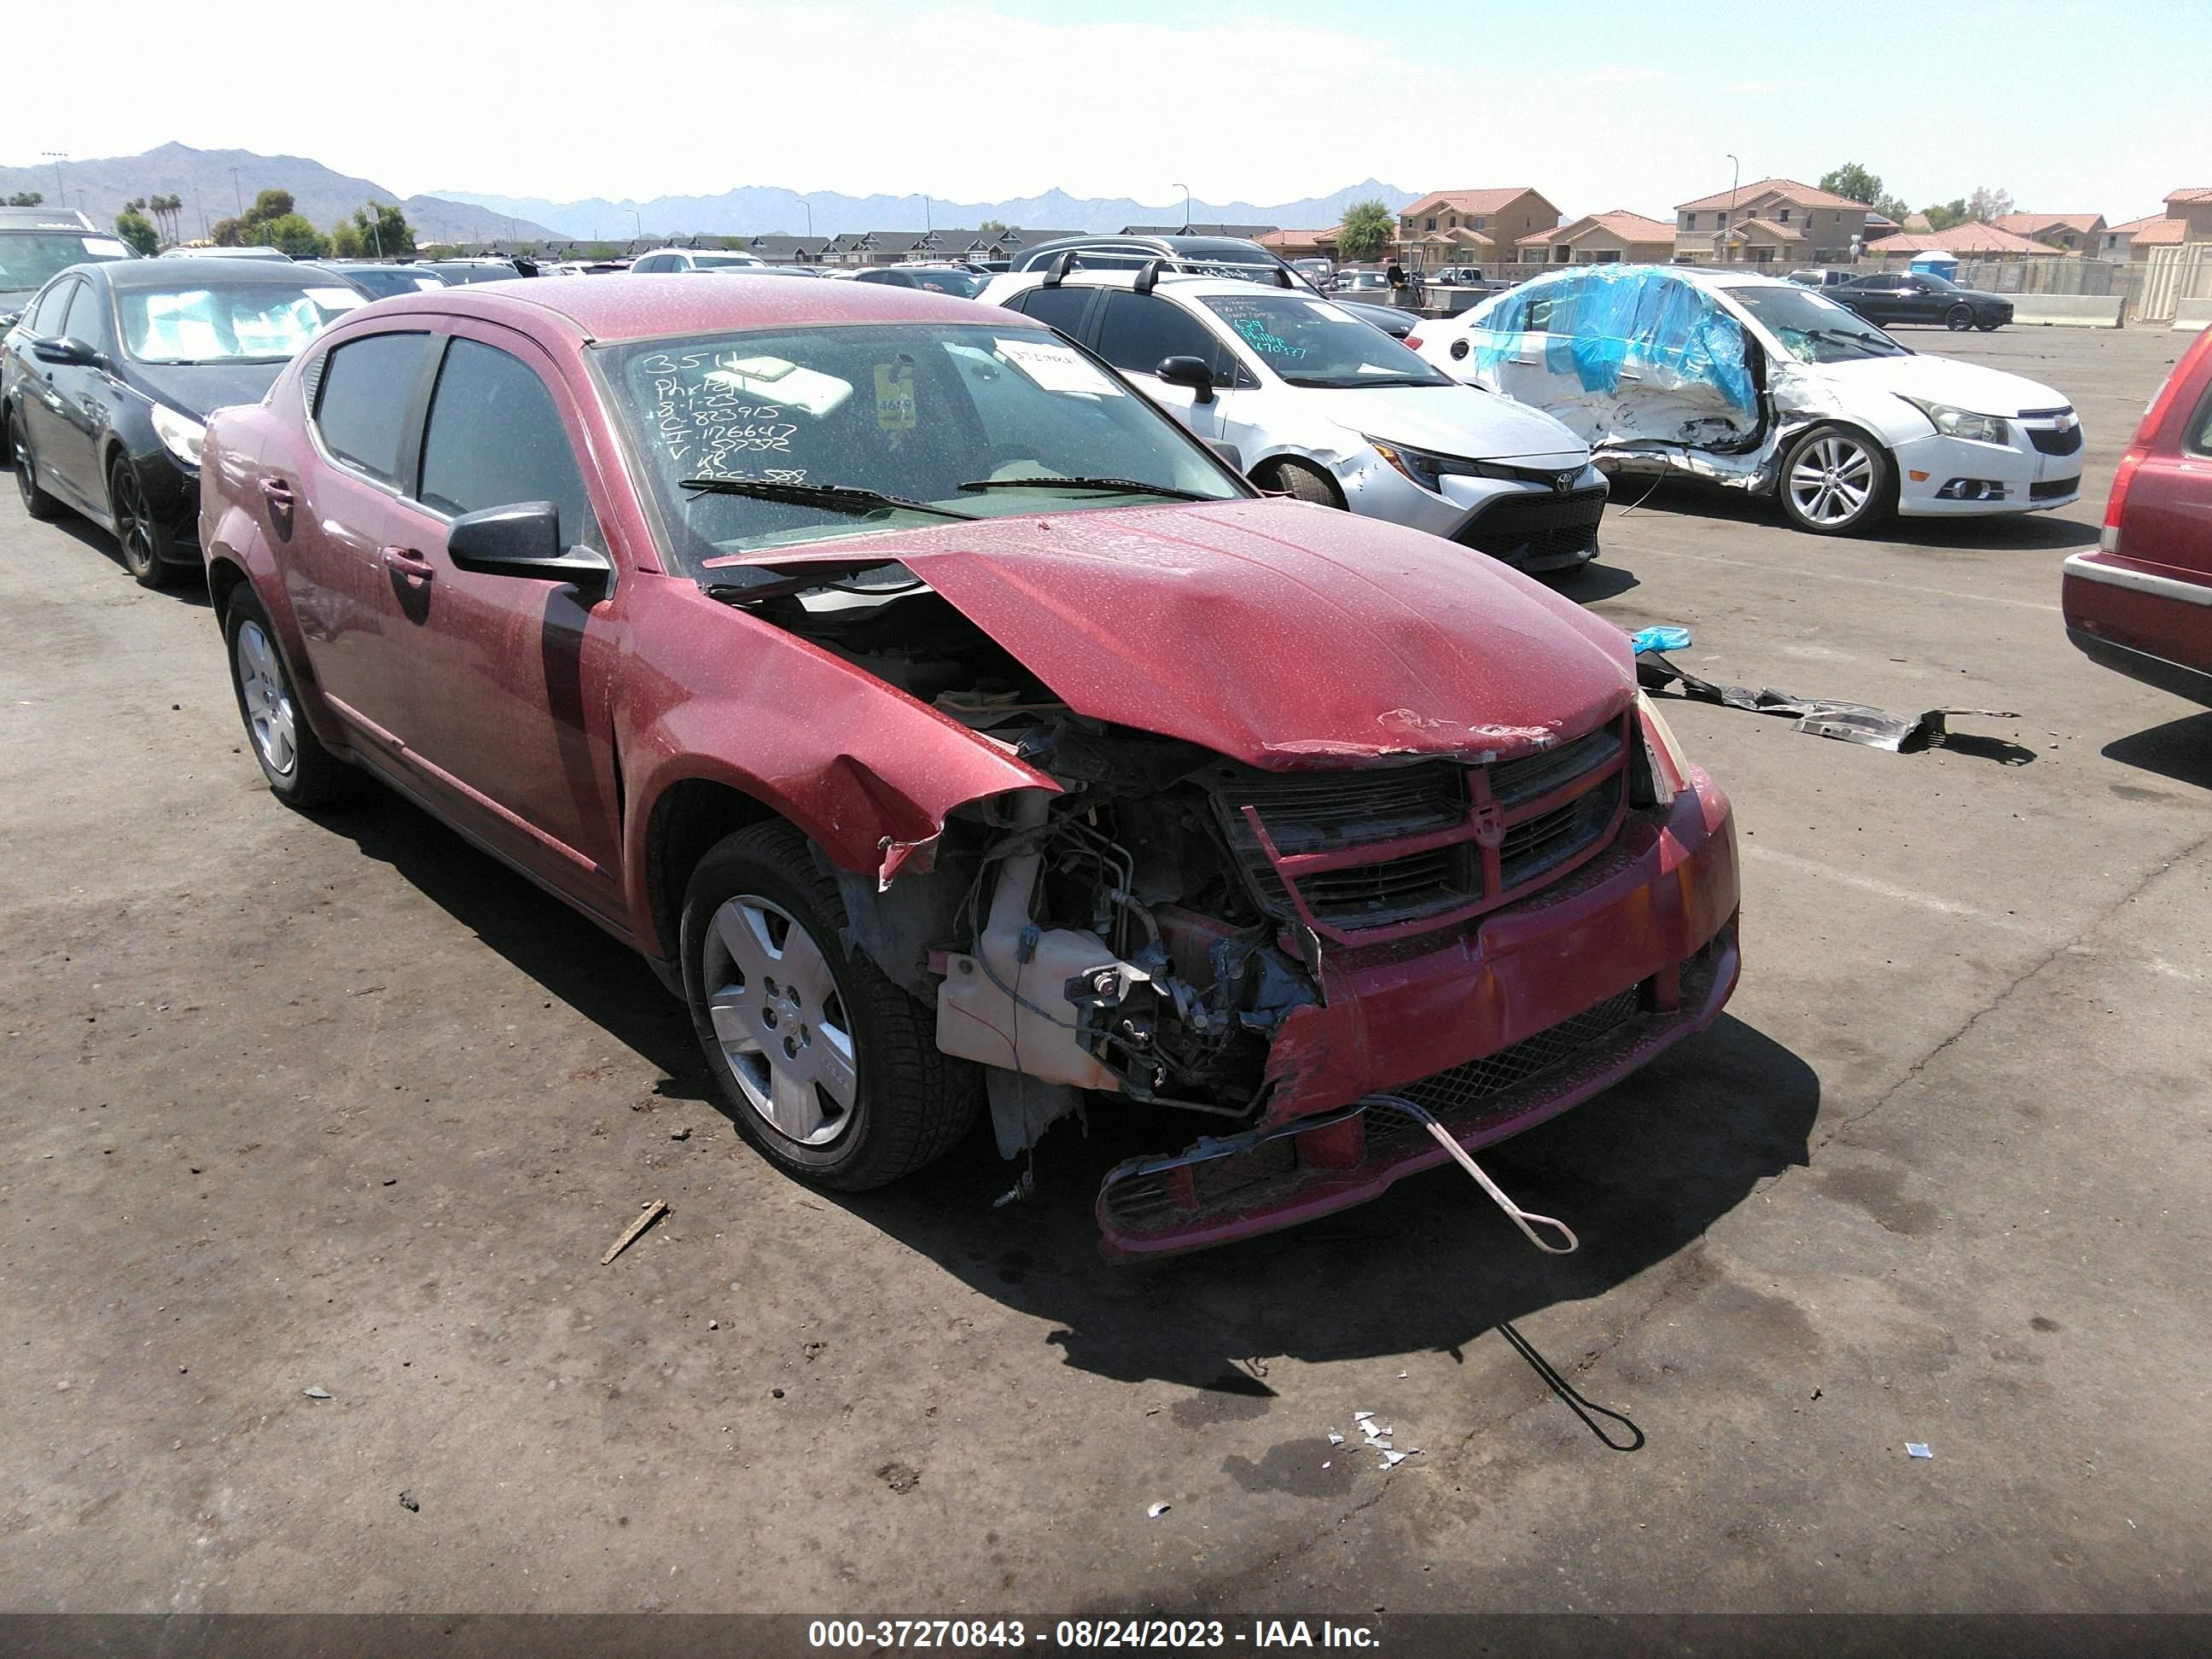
(1917, 1449)
(1662, 638)
(901, 1478)
(316, 1393)
(653, 1211)
(1823, 717)
(407, 1502)
(1158, 1510)
(680, 1134)
(1334, 1439)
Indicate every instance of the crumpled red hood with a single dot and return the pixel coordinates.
(1273, 632)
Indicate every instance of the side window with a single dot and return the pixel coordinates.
(1140, 329)
(361, 406)
(1060, 307)
(495, 437)
(651, 263)
(2199, 435)
(84, 321)
(46, 316)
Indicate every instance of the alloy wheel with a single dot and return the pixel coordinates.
(781, 1020)
(19, 458)
(269, 713)
(1831, 480)
(134, 527)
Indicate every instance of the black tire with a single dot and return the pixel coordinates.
(1859, 463)
(301, 773)
(144, 544)
(36, 501)
(1302, 483)
(1959, 318)
(911, 1102)
(1991, 326)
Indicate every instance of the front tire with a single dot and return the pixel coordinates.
(1959, 318)
(1836, 481)
(1302, 482)
(301, 773)
(831, 1071)
(36, 501)
(1991, 326)
(144, 544)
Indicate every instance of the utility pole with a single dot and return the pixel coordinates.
(237, 193)
(58, 156)
(925, 227)
(200, 208)
(1735, 178)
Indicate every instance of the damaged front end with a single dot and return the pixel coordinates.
(1493, 934)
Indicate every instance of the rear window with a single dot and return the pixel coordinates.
(1060, 307)
(367, 388)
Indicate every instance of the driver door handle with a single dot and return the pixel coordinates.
(408, 563)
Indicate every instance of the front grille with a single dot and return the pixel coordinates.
(1535, 526)
(1356, 825)
(2051, 489)
(1465, 1088)
(2056, 443)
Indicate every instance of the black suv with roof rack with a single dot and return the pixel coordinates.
(1203, 256)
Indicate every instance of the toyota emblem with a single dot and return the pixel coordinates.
(1563, 481)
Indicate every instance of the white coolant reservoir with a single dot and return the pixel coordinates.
(1007, 1005)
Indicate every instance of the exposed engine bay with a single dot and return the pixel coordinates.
(1138, 932)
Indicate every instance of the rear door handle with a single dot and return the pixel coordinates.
(408, 563)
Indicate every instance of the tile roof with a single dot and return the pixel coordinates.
(1468, 201)
(2136, 226)
(1974, 238)
(1629, 226)
(2162, 233)
(2030, 224)
(1780, 233)
(1789, 189)
(2195, 196)
(1277, 239)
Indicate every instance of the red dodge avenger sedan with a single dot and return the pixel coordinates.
(954, 731)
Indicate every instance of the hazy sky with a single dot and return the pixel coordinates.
(2070, 106)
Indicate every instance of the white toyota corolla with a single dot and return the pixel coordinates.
(1768, 387)
(1305, 398)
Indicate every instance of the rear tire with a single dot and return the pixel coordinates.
(1302, 482)
(830, 1071)
(1836, 481)
(1959, 318)
(301, 773)
(36, 501)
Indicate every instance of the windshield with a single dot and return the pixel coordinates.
(1814, 328)
(30, 259)
(960, 284)
(208, 323)
(1311, 343)
(909, 412)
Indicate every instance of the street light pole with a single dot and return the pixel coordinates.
(1185, 189)
(638, 219)
(237, 193)
(808, 206)
(1735, 178)
(926, 228)
(58, 156)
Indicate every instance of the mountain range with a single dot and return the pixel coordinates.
(756, 210)
(214, 184)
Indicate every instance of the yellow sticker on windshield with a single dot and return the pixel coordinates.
(894, 409)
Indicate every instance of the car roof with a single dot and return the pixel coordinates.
(1196, 287)
(627, 308)
(231, 273)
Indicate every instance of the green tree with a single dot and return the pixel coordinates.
(1367, 229)
(25, 198)
(992, 227)
(136, 228)
(1942, 216)
(384, 229)
(292, 234)
(1855, 182)
(345, 242)
(271, 204)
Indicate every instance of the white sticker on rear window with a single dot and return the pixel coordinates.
(337, 299)
(105, 247)
(1054, 367)
(1323, 309)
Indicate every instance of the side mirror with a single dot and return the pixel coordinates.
(1192, 372)
(69, 351)
(524, 540)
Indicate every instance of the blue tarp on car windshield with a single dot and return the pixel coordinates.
(1598, 320)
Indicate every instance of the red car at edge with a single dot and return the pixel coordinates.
(2141, 603)
(956, 734)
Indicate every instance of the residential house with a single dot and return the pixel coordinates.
(2073, 233)
(1971, 241)
(1601, 238)
(2193, 207)
(2134, 239)
(1248, 233)
(1772, 219)
(780, 250)
(1469, 226)
(1288, 245)
(897, 247)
